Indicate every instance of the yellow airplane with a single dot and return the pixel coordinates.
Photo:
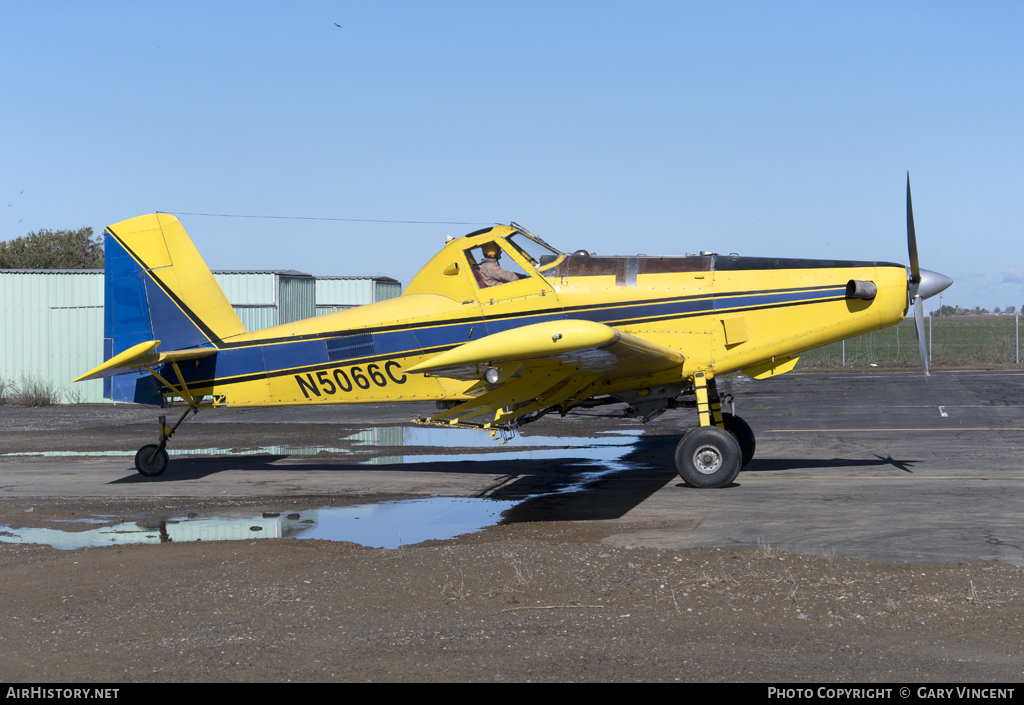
(500, 323)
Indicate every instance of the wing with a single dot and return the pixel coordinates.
(543, 365)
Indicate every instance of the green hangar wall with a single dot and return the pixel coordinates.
(51, 320)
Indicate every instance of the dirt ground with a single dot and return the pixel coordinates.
(550, 594)
(517, 603)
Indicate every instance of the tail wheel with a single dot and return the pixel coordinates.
(151, 460)
(743, 434)
(708, 457)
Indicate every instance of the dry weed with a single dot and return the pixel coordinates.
(455, 589)
(786, 577)
(765, 550)
(74, 394)
(31, 391)
(523, 575)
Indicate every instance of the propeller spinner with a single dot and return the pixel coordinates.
(921, 283)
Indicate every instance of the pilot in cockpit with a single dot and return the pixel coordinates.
(491, 271)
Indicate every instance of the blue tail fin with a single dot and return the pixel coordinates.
(157, 287)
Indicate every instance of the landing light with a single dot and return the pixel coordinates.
(491, 375)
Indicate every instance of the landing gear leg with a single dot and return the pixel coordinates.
(715, 404)
(708, 456)
(151, 460)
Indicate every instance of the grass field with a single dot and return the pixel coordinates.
(964, 341)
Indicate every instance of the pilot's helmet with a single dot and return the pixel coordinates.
(491, 250)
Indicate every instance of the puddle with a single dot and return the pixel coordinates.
(605, 447)
(383, 525)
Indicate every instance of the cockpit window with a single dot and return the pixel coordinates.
(493, 267)
(533, 238)
(548, 257)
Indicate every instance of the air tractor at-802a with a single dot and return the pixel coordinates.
(501, 325)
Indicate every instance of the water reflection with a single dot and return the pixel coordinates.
(362, 446)
(383, 525)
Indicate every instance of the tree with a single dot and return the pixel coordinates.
(53, 249)
(1011, 309)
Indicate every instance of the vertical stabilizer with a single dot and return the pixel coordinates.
(157, 287)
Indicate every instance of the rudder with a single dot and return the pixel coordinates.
(157, 287)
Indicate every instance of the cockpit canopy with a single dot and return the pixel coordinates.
(520, 238)
(462, 269)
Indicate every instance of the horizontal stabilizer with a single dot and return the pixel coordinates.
(588, 346)
(142, 355)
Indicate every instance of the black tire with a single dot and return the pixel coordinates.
(744, 436)
(151, 463)
(708, 457)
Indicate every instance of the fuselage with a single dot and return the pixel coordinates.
(723, 313)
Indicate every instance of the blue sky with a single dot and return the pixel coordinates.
(768, 129)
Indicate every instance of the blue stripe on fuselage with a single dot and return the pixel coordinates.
(399, 341)
(300, 354)
(743, 301)
(626, 313)
(259, 359)
(497, 325)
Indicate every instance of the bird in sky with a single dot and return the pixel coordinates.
(338, 25)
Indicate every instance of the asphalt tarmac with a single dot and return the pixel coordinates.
(875, 537)
(882, 466)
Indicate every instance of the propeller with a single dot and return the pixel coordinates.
(921, 283)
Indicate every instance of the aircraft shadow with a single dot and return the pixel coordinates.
(644, 471)
(184, 469)
(778, 464)
(562, 489)
(648, 468)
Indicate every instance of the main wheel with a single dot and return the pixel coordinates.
(708, 457)
(744, 435)
(151, 460)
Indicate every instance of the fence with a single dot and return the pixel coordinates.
(961, 341)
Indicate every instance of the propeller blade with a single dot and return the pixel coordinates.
(921, 341)
(921, 284)
(915, 268)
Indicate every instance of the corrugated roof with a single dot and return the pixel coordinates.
(373, 279)
(51, 271)
(285, 272)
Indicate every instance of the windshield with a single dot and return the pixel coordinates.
(548, 256)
